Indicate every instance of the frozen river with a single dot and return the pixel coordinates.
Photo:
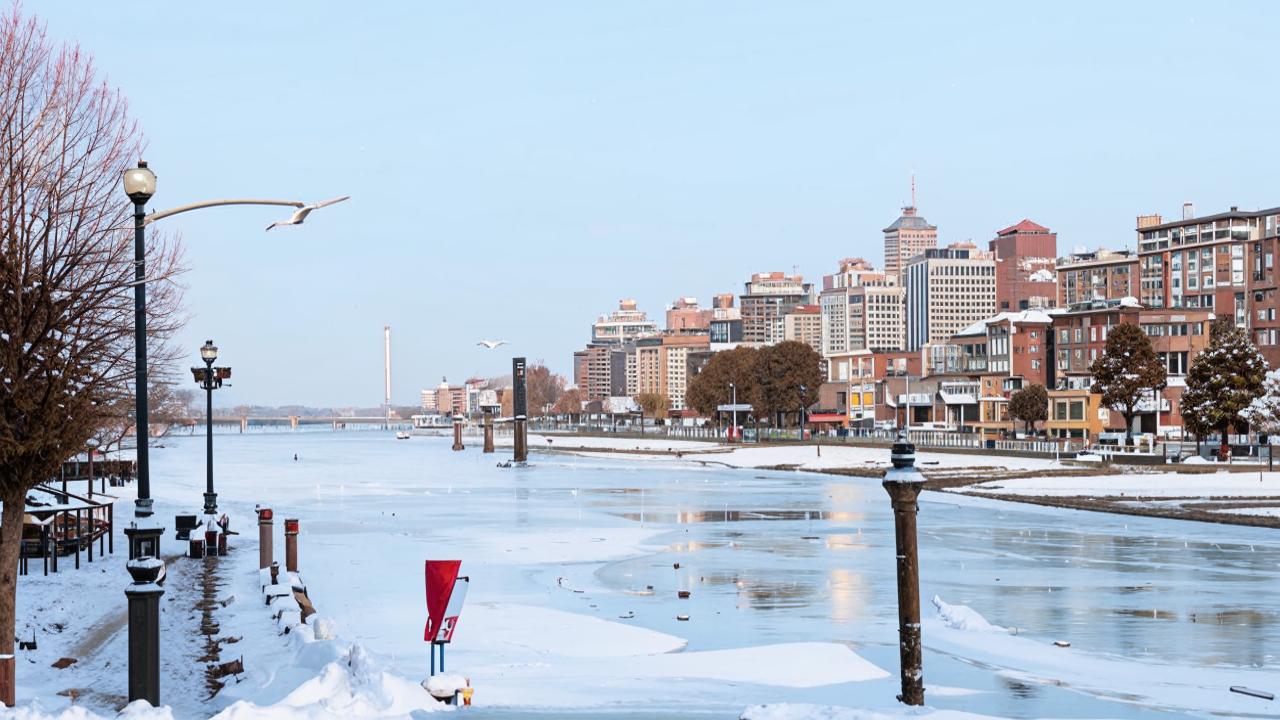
(573, 584)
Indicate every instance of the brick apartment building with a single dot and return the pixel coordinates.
(1026, 263)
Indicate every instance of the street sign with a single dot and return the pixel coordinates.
(740, 407)
(445, 595)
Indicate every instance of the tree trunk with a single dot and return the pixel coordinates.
(10, 544)
(1128, 427)
(1224, 449)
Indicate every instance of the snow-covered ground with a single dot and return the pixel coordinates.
(807, 457)
(1147, 485)
(575, 563)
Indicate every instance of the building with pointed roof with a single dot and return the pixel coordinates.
(1026, 266)
(910, 235)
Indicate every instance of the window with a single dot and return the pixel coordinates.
(1060, 410)
(1077, 409)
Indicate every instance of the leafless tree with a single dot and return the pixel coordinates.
(66, 270)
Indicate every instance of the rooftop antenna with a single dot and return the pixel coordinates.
(913, 188)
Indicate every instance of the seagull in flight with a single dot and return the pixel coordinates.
(303, 211)
(491, 344)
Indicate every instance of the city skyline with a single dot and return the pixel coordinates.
(787, 152)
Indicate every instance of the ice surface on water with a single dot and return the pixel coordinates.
(573, 598)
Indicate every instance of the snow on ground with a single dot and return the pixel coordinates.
(1219, 484)
(961, 617)
(800, 711)
(1258, 511)
(807, 457)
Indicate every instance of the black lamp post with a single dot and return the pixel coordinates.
(209, 378)
(803, 390)
(140, 185)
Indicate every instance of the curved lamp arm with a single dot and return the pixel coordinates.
(216, 203)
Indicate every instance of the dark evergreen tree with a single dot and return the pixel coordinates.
(1224, 380)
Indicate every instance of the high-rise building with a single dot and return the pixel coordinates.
(765, 299)
(948, 290)
(1026, 264)
(662, 365)
(1097, 275)
(861, 309)
(908, 236)
(1224, 263)
(622, 325)
(428, 401)
(803, 323)
(684, 315)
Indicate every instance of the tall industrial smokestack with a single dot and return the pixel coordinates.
(386, 371)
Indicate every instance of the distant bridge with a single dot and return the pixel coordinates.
(244, 422)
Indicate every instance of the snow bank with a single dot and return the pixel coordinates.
(137, 710)
(963, 617)
(1161, 484)
(795, 711)
(353, 686)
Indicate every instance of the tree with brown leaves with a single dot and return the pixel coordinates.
(544, 389)
(66, 270)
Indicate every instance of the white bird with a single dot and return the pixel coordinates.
(303, 211)
(491, 344)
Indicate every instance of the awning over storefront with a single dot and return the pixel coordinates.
(952, 398)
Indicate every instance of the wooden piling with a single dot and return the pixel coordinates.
(903, 483)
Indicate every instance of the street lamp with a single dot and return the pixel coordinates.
(145, 566)
(209, 378)
(734, 430)
(803, 390)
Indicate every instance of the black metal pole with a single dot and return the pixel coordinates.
(210, 497)
(144, 630)
(143, 503)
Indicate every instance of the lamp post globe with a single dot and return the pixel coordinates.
(140, 183)
(208, 352)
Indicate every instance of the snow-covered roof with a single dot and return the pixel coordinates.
(1037, 316)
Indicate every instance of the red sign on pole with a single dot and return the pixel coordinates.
(445, 595)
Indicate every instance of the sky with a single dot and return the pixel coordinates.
(517, 168)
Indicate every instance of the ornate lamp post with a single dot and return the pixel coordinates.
(145, 566)
(209, 378)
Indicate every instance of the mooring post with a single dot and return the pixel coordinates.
(520, 408)
(144, 629)
(265, 523)
(457, 432)
(488, 431)
(291, 545)
(903, 483)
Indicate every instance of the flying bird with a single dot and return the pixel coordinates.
(303, 211)
(491, 344)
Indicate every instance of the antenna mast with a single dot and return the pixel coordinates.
(386, 374)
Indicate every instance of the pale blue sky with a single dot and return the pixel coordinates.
(516, 168)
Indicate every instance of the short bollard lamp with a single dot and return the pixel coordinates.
(144, 628)
(903, 483)
(209, 378)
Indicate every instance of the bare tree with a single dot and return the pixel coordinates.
(66, 270)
